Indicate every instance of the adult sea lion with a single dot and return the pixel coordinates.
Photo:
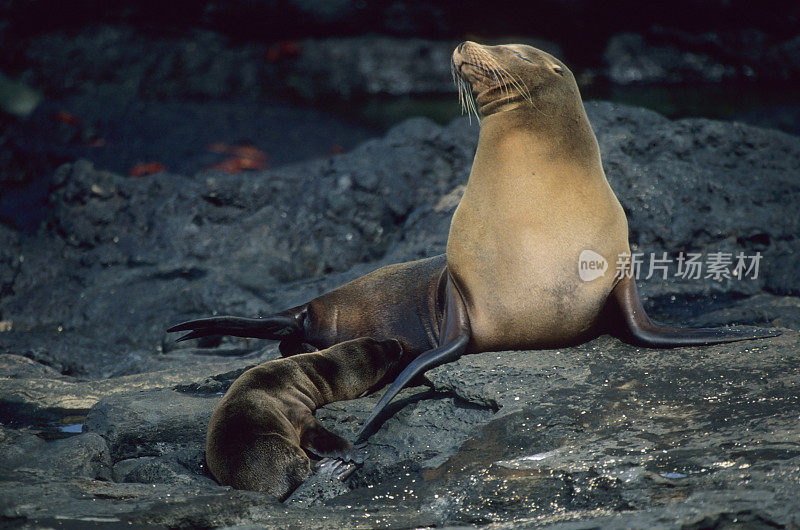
(258, 431)
(536, 198)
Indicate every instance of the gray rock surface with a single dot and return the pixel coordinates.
(377, 65)
(671, 56)
(631, 59)
(103, 415)
(118, 60)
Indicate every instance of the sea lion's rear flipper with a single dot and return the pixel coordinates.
(278, 326)
(453, 339)
(634, 326)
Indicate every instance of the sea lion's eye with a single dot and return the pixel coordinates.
(557, 69)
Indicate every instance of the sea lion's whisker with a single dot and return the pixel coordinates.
(508, 78)
(466, 98)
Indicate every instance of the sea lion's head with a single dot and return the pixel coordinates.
(493, 79)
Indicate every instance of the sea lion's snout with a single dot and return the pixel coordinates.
(461, 51)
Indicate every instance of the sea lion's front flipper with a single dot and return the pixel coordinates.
(322, 442)
(636, 327)
(278, 326)
(453, 339)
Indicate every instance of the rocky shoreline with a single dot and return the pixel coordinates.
(103, 415)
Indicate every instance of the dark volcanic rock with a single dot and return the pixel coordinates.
(150, 423)
(662, 425)
(213, 242)
(670, 56)
(697, 185)
(123, 248)
(598, 434)
(112, 61)
(9, 260)
(632, 60)
(371, 65)
(85, 455)
(377, 65)
(120, 62)
(186, 136)
(120, 59)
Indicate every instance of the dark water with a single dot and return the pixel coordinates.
(48, 424)
(117, 134)
(766, 105)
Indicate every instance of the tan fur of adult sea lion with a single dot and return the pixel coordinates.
(259, 429)
(536, 198)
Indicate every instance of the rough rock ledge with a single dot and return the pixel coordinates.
(103, 416)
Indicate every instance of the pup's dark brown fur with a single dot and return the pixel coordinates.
(258, 431)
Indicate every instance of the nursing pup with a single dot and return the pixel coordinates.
(259, 431)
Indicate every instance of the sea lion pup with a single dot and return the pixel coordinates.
(258, 431)
(536, 198)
